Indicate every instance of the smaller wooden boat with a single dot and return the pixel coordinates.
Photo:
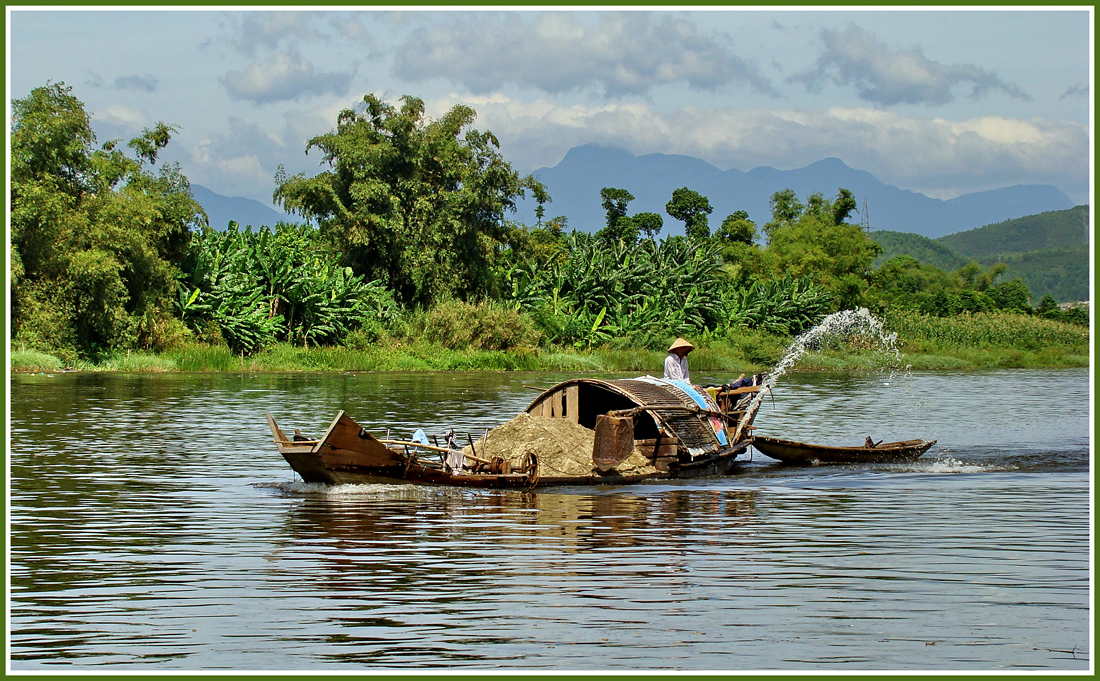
(802, 454)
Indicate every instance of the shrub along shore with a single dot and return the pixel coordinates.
(980, 341)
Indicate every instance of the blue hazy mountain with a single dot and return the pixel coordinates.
(221, 209)
(574, 185)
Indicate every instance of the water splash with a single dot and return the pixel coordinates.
(297, 487)
(950, 465)
(847, 326)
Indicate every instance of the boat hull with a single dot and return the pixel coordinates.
(312, 468)
(803, 454)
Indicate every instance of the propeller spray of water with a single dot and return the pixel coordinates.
(842, 325)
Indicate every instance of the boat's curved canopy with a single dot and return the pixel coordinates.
(669, 409)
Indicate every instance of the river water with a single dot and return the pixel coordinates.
(154, 527)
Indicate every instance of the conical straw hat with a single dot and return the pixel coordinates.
(681, 343)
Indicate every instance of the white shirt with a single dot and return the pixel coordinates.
(676, 367)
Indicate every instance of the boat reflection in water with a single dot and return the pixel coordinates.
(428, 518)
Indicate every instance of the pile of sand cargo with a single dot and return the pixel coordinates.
(563, 448)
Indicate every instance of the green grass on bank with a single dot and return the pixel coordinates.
(980, 341)
(31, 361)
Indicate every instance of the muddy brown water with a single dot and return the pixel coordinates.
(154, 527)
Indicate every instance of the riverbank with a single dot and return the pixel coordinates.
(751, 353)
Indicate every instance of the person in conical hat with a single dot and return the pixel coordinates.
(676, 364)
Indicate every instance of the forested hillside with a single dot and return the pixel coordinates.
(1056, 229)
(1059, 272)
(1048, 251)
(929, 251)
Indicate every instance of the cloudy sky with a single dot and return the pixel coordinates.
(942, 102)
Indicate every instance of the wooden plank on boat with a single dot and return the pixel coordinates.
(664, 463)
(572, 405)
(347, 440)
(556, 404)
(275, 432)
(651, 451)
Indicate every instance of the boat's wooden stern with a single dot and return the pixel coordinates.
(346, 453)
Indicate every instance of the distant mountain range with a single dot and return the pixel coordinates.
(1049, 251)
(221, 209)
(574, 184)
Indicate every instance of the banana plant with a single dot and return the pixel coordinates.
(280, 284)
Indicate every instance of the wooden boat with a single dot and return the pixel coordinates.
(680, 430)
(800, 453)
(348, 454)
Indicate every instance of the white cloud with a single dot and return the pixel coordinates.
(887, 77)
(146, 83)
(285, 77)
(621, 53)
(351, 28)
(240, 162)
(940, 157)
(121, 116)
(252, 31)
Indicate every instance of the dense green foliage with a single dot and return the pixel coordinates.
(96, 234)
(623, 227)
(1060, 272)
(692, 208)
(987, 330)
(255, 288)
(415, 203)
(412, 263)
(788, 305)
(595, 292)
(1048, 251)
(813, 240)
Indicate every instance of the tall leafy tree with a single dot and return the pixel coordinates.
(614, 203)
(692, 208)
(843, 206)
(785, 207)
(807, 240)
(541, 196)
(97, 234)
(649, 224)
(620, 227)
(414, 202)
(736, 241)
(737, 228)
